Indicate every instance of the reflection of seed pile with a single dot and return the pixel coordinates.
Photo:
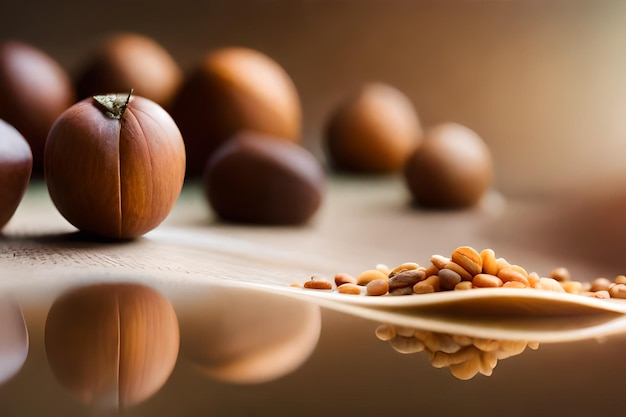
(465, 356)
(465, 269)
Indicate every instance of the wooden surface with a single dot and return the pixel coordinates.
(363, 222)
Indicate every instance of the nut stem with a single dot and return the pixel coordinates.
(114, 105)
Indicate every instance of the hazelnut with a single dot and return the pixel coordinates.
(451, 169)
(16, 162)
(34, 91)
(260, 179)
(129, 60)
(234, 89)
(375, 131)
(115, 165)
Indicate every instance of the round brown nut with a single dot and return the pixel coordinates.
(374, 132)
(451, 169)
(349, 289)
(259, 179)
(318, 284)
(230, 90)
(385, 332)
(448, 279)
(370, 275)
(377, 287)
(620, 279)
(468, 259)
(343, 278)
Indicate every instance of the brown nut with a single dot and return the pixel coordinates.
(448, 279)
(112, 343)
(511, 274)
(34, 91)
(407, 266)
(343, 278)
(230, 90)
(349, 289)
(370, 275)
(377, 287)
(316, 283)
(618, 291)
(468, 259)
(486, 281)
(375, 131)
(451, 169)
(129, 60)
(488, 258)
(600, 284)
(406, 278)
(115, 165)
(16, 163)
(561, 274)
(259, 179)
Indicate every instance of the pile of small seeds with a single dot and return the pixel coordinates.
(465, 356)
(465, 269)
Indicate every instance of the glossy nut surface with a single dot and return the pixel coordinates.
(16, 162)
(115, 178)
(260, 179)
(230, 90)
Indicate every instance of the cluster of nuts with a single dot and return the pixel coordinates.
(465, 356)
(465, 269)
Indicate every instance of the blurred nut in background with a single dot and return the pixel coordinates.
(128, 60)
(234, 89)
(13, 338)
(112, 344)
(34, 91)
(375, 131)
(16, 163)
(452, 168)
(115, 165)
(255, 178)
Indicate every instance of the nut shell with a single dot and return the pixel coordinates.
(260, 179)
(34, 91)
(115, 178)
(112, 344)
(234, 89)
(451, 169)
(129, 60)
(16, 163)
(374, 131)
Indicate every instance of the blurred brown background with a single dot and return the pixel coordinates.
(543, 82)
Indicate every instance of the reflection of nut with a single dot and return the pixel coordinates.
(465, 356)
(112, 343)
(404, 344)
